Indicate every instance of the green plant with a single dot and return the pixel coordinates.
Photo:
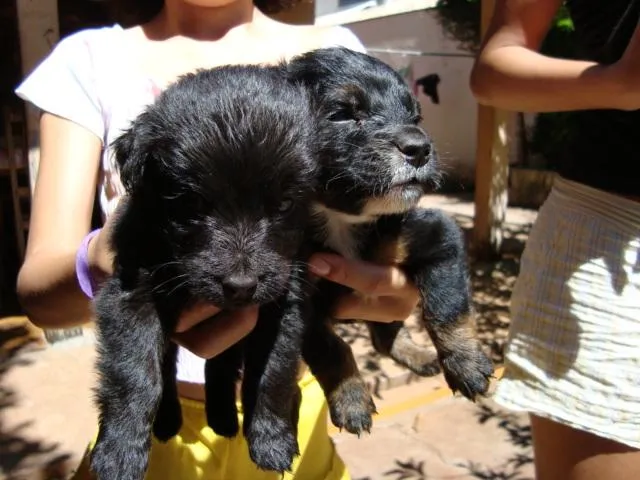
(560, 40)
(460, 20)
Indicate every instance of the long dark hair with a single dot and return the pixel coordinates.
(134, 12)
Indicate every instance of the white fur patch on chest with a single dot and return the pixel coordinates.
(339, 230)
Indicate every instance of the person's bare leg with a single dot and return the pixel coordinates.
(564, 453)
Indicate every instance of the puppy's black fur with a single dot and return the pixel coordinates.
(375, 165)
(219, 173)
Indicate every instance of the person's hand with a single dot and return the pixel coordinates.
(206, 331)
(100, 255)
(203, 328)
(382, 293)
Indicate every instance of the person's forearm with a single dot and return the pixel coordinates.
(49, 292)
(517, 79)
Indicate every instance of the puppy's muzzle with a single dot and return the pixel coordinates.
(239, 288)
(415, 146)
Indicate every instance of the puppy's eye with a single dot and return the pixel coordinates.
(417, 119)
(342, 116)
(285, 206)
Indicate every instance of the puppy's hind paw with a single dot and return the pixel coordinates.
(421, 360)
(272, 446)
(351, 406)
(167, 426)
(224, 424)
(395, 341)
(468, 372)
(221, 412)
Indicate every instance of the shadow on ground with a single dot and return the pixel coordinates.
(519, 435)
(517, 432)
(18, 453)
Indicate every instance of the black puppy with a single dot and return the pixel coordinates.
(376, 163)
(219, 173)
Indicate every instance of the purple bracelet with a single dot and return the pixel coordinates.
(83, 272)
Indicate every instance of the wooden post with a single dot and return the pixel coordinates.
(38, 29)
(492, 171)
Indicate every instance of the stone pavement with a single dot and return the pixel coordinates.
(419, 437)
(47, 416)
(421, 431)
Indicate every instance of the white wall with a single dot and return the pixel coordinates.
(452, 123)
(324, 7)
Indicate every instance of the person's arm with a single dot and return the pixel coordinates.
(509, 73)
(60, 218)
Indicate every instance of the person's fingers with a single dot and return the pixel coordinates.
(214, 335)
(375, 309)
(101, 255)
(194, 315)
(364, 277)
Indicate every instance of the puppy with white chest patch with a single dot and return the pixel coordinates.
(375, 165)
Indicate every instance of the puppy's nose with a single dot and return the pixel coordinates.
(239, 287)
(416, 148)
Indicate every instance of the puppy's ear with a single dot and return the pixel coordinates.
(306, 68)
(302, 69)
(131, 159)
(312, 67)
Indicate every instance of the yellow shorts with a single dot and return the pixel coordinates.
(198, 453)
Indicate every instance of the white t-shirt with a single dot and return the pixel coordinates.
(85, 79)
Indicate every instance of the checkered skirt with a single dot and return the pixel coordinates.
(573, 354)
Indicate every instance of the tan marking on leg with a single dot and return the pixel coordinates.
(456, 337)
(392, 252)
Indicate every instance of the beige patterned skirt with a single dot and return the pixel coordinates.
(573, 354)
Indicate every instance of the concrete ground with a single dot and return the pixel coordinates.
(417, 436)
(421, 432)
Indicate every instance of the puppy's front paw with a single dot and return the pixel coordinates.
(272, 444)
(351, 406)
(468, 371)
